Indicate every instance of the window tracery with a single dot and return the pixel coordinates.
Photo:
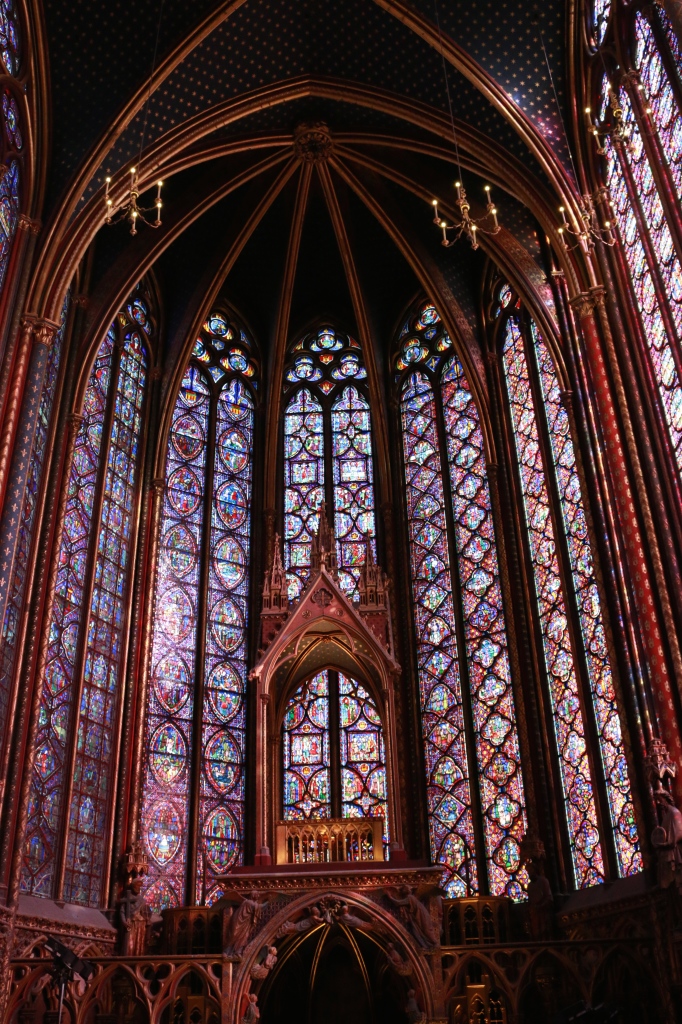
(200, 623)
(70, 802)
(328, 456)
(547, 463)
(465, 703)
(10, 49)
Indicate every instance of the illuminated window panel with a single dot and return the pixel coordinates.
(353, 486)
(9, 204)
(642, 274)
(206, 507)
(47, 784)
(15, 599)
(659, 94)
(306, 755)
(170, 708)
(448, 788)
(621, 809)
(497, 744)
(569, 728)
(304, 479)
(221, 811)
(10, 43)
(94, 771)
(363, 754)
(601, 12)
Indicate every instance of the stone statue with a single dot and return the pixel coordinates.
(412, 1011)
(261, 970)
(134, 918)
(416, 916)
(402, 967)
(344, 916)
(252, 1013)
(244, 922)
(540, 897)
(540, 902)
(666, 838)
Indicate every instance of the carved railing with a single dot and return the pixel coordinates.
(334, 840)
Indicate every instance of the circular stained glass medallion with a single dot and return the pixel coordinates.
(171, 679)
(218, 325)
(237, 360)
(428, 316)
(168, 753)
(229, 561)
(227, 624)
(184, 490)
(11, 112)
(164, 829)
(187, 436)
(225, 691)
(223, 761)
(181, 549)
(234, 449)
(221, 839)
(231, 505)
(176, 614)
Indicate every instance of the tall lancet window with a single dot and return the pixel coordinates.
(327, 456)
(193, 807)
(474, 783)
(642, 145)
(70, 809)
(579, 677)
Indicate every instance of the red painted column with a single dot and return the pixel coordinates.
(635, 544)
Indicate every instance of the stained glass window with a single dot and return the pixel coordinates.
(326, 362)
(562, 661)
(15, 599)
(363, 754)
(70, 794)
(590, 615)
(307, 784)
(9, 36)
(451, 531)
(9, 213)
(332, 721)
(601, 13)
(207, 501)
(492, 700)
(639, 213)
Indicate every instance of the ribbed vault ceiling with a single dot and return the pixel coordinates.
(232, 82)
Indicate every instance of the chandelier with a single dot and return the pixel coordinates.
(587, 229)
(129, 208)
(466, 225)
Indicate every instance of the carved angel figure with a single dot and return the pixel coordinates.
(416, 916)
(262, 969)
(667, 840)
(244, 922)
(403, 967)
(252, 1013)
